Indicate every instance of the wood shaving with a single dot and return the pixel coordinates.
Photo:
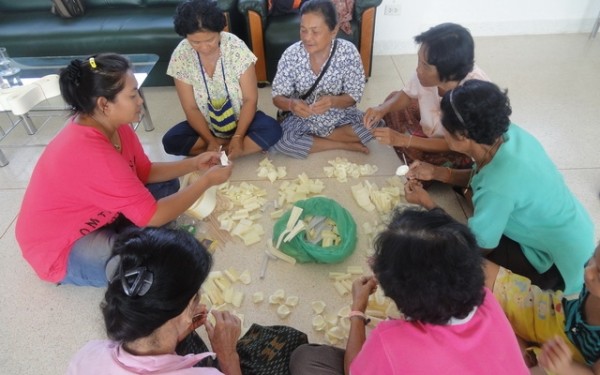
(318, 306)
(241, 205)
(341, 169)
(298, 189)
(267, 170)
(370, 197)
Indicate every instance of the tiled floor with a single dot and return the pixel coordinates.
(553, 85)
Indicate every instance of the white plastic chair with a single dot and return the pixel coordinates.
(21, 99)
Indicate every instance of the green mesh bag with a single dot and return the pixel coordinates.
(303, 250)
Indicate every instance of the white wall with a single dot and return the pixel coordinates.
(394, 33)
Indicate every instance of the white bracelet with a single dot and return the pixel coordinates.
(359, 314)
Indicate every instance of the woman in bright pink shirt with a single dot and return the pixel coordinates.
(431, 267)
(94, 178)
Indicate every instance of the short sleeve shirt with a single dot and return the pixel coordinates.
(79, 184)
(485, 344)
(235, 58)
(522, 195)
(345, 75)
(108, 357)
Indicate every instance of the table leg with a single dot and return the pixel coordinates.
(28, 124)
(146, 118)
(595, 28)
(3, 159)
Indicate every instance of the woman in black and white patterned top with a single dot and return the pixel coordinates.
(328, 118)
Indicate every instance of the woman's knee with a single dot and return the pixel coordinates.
(301, 357)
(180, 139)
(178, 144)
(317, 360)
(264, 130)
(163, 189)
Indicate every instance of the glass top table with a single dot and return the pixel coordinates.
(34, 68)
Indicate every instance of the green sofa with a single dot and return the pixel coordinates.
(28, 28)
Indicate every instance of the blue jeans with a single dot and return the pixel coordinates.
(89, 254)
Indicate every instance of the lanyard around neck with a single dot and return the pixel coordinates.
(204, 76)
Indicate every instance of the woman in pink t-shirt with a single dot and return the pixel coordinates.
(412, 115)
(152, 307)
(94, 176)
(431, 267)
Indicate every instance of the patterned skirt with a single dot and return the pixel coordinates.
(408, 122)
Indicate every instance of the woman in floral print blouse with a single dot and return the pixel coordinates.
(211, 66)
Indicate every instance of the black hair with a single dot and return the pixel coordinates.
(82, 82)
(450, 48)
(322, 7)
(192, 16)
(478, 110)
(429, 265)
(179, 265)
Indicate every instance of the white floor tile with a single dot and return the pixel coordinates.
(552, 82)
(10, 200)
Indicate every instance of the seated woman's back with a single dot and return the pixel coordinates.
(152, 304)
(481, 343)
(431, 267)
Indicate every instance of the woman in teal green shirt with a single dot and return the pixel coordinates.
(524, 216)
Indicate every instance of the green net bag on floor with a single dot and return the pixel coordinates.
(302, 249)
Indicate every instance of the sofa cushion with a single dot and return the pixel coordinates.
(121, 26)
(113, 3)
(148, 31)
(68, 8)
(21, 6)
(154, 3)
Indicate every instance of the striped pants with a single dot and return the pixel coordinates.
(297, 138)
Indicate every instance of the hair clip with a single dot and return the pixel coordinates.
(135, 282)
(93, 63)
(456, 111)
(112, 267)
(73, 71)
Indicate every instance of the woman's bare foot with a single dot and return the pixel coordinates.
(324, 144)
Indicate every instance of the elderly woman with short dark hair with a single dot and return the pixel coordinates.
(430, 266)
(524, 214)
(446, 59)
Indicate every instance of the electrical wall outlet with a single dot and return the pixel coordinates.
(391, 9)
